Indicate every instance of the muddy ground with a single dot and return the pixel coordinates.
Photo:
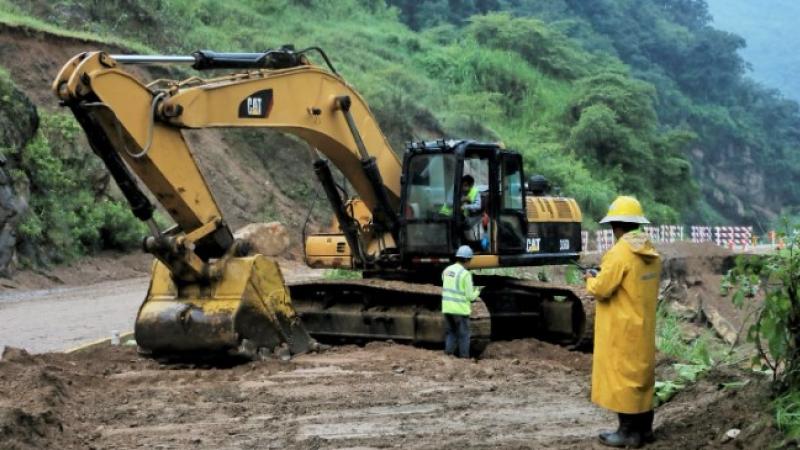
(523, 394)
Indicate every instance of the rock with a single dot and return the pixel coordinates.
(14, 354)
(268, 239)
(721, 325)
(282, 352)
(731, 434)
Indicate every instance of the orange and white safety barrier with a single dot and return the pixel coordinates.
(733, 237)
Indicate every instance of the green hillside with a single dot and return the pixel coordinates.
(746, 152)
(603, 97)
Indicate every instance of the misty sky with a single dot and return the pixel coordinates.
(770, 28)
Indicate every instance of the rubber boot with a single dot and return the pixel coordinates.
(646, 426)
(606, 433)
(627, 436)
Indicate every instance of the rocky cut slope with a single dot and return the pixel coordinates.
(18, 124)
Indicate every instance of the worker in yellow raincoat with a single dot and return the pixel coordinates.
(626, 291)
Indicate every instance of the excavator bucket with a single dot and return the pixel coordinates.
(246, 310)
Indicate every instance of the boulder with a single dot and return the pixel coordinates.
(269, 239)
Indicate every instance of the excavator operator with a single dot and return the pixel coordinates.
(471, 207)
(471, 201)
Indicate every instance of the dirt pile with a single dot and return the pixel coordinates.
(381, 395)
(691, 282)
(700, 416)
(535, 350)
(32, 396)
(691, 277)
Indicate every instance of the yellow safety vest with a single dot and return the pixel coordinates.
(471, 195)
(473, 192)
(457, 290)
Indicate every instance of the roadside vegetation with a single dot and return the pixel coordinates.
(342, 274)
(700, 90)
(693, 356)
(775, 332)
(63, 207)
(69, 212)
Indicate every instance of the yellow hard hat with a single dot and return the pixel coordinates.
(625, 209)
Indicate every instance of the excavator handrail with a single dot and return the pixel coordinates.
(208, 59)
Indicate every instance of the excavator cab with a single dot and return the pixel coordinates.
(508, 229)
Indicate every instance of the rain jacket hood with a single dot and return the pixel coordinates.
(626, 290)
(640, 245)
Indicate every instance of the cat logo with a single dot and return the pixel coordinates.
(532, 244)
(257, 105)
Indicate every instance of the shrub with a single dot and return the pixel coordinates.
(69, 214)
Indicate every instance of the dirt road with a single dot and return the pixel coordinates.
(60, 318)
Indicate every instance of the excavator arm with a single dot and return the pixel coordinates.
(198, 299)
(141, 124)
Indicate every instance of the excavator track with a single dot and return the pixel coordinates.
(520, 308)
(336, 311)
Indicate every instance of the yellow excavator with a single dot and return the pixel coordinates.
(208, 294)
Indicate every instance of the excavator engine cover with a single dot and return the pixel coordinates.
(246, 310)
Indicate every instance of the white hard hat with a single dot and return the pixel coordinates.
(464, 252)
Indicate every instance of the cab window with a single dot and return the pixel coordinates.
(512, 192)
(431, 184)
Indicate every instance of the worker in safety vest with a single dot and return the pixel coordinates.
(471, 208)
(457, 297)
(626, 290)
(471, 201)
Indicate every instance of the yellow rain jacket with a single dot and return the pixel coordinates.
(626, 290)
